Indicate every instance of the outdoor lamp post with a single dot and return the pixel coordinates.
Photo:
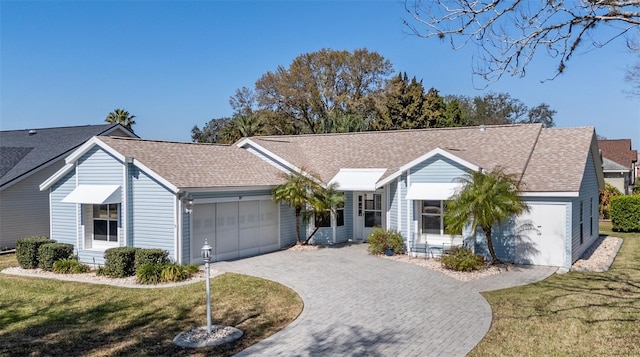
(206, 255)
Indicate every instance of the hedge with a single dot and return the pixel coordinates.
(27, 251)
(119, 262)
(50, 253)
(625, 213)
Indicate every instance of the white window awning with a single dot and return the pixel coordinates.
(432, 191)
(357, 179)
(94, 194)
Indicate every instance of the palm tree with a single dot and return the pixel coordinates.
(307, 197)
(485, 199)
(242, 126)
(121, 117)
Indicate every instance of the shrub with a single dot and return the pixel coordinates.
(625, 213)
(70, 266)
(119, 262)
(150, 256)
(50, 253)
(382, 239)
(173, 273)
(461, 259)
(606, 195)
(27, 251)
(149, 273)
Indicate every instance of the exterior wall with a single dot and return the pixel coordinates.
(64, 216)
(151, 213)
(394, 203)
(287, 225)
(96, 167)
(589, 196)
(437, 169)
(345, 233)
(24, 209)
(618, 180)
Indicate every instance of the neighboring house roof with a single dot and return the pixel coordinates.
(24, 152)
(192, 165)
(546, 160)
(609, 165)
(619, 150)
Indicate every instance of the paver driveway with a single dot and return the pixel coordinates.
(356, 304)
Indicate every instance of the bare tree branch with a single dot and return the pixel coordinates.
(509, 34)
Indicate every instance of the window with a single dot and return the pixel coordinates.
(432, 218)
(581, 225)
(373, 210)
(323, 219)
(105, 223)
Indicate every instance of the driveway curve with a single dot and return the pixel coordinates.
(356, 304)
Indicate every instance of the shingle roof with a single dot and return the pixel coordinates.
(23, 151)
(507, 146)
(189, 165)
(618, 150)
(547, 160)
(609, 165)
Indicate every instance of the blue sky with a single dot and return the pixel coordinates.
(174, 64)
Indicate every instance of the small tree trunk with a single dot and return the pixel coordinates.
(494, 258)
(298, 214)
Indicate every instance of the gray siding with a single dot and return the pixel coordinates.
(588, 193)
(97, 167)
(24, 209)
(394, 201)
(186, 237)
(64, 216)
(324, 235)
(152, 214)
(437, 169)
(404, 207)
(287, 225)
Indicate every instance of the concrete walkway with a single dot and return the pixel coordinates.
(356, 304)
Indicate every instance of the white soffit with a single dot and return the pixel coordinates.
(432, 191)
(357, 179)
(95, 194)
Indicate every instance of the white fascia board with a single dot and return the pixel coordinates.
(551, 194)
(55, 177)
(84, 148)
(154, 175)
(434, 152)
(248, 142)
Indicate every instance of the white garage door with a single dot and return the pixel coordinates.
(544, 242)
(235, 229)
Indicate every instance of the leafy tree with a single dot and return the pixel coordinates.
(320, 83)
(403, 105)
(540, 114)
(486, 199)
(433, 109)
(497, 108)
(452, 116)
(606, 194)
(121, 117)
(211, 132)
(242, 126)
(307, 196)
(510, 33)
(339, 122)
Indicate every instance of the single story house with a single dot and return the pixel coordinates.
(132, 192)
(29, 157)
(620, 162)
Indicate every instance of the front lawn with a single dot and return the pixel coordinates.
(43, 317)
(573, 314)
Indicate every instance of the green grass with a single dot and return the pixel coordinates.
(573, 314)
(43, 317)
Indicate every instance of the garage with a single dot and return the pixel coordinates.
(235, 229)
(542, 238)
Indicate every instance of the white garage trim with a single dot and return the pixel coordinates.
(232, 199)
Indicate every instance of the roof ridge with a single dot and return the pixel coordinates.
(61, 127)
(373, 132)
(166, 141)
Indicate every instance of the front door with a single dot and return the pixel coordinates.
(369, 213)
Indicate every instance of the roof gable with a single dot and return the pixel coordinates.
(24, 152)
